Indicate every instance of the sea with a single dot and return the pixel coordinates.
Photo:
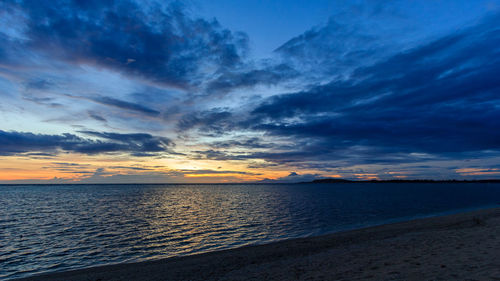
(49, 228)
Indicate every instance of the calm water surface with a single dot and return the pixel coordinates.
(59, 227)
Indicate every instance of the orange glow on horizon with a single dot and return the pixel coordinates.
(478, 172)
(76, 167)
(333, 176)
(367, 176)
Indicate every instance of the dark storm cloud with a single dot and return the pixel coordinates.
(135, 144)
(441, 98)
(161, 44)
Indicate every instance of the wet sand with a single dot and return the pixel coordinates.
(456, 247)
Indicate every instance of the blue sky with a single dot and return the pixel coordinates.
(272, 23)
(221, 91)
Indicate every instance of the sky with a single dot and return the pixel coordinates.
(248, 91)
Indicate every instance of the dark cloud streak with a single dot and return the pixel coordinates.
(135, 144)
(126, 105)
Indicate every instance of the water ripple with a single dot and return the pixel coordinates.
(55, 228)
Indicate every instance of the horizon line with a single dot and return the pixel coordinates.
(316, 181)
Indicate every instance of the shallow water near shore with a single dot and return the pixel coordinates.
(47, 228)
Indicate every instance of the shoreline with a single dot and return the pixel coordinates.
(424, 248)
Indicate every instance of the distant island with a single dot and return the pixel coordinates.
(334, 180)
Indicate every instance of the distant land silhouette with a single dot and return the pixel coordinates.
(333, 180)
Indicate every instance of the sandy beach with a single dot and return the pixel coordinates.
(463, 246)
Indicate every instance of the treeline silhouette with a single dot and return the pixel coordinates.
(331, 180)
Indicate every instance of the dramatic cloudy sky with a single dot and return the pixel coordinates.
(232, 91)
